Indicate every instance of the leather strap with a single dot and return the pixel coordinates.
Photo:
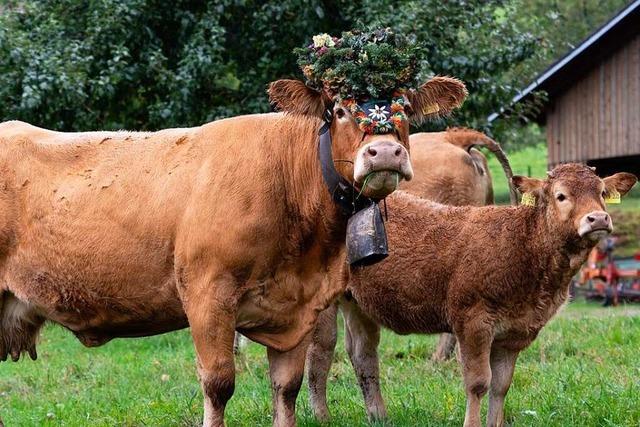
(342, 192)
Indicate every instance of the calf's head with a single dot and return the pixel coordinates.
(370, 138)
(573, 198)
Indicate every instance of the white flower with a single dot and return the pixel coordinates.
(378, 113)
(323, 40)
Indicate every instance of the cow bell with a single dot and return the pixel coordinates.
(366, 237)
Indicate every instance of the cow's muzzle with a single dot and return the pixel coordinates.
(595, 225)
(380, 166)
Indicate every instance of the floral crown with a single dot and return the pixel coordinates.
(360, 69)
(360, 64)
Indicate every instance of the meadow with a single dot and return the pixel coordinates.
(583, 370)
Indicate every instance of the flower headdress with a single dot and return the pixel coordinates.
(368, 71)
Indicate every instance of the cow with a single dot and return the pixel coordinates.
(447, 170)
(493, 276)
(222, 227)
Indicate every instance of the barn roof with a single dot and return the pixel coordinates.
(577, 62)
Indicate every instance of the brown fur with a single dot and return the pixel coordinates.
(450, 171)
(437, 97)
(493, 276)
(295, 96)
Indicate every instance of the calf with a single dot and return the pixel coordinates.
(449, 171)
(493, 276)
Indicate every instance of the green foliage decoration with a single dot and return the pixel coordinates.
(361, 64)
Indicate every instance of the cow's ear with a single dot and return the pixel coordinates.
(437, 97)
(527, 185)
(621, 182)
(293, 96)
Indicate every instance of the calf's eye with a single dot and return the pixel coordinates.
(561, 197)
(604, 194)
(339, 113)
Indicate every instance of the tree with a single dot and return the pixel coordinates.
(139, 64)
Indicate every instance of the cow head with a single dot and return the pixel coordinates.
(370, 140)
(574, 199)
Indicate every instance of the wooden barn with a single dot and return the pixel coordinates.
(593, 110)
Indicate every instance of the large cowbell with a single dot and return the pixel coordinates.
(366, 237)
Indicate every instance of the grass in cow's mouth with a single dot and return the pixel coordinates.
(582, 370)
(371, 174)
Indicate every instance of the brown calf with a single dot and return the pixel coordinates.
(449, 171)
(220, 227)
(493, 276)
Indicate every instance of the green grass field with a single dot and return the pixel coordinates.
(584, 369)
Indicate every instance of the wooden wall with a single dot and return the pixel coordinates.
(599, 115)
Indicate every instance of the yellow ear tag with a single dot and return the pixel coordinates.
(613, 198)
(430, 109)
(528, 199)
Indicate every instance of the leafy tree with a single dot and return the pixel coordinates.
(141, 64)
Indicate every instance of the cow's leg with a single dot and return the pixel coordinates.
(286, 370)
(319, 358)
(210, 306)
(362, 336)
(445, 348)
(503, 363)
(475, 349)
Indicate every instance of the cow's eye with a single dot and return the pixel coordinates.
(340, 113)
(604, 194)
(561, 197)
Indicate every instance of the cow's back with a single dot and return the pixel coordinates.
(447, 173)
(93, 222)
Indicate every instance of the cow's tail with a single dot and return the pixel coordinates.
(467, 138)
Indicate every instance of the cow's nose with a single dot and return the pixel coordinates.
(384, 149)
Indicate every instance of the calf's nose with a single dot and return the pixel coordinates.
(598, 219)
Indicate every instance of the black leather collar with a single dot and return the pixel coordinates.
(343, 193)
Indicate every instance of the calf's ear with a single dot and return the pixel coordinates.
(293, 96)
(622, 182)
(437, 97)
(527, 185)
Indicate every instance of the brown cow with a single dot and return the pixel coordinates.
(219, 227)
(450, 171)
(495, 292)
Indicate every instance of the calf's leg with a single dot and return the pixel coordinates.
(475, 348)
(445, 348)
(286, 370)
(319, 358)
(503, 362)
(362, 336)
